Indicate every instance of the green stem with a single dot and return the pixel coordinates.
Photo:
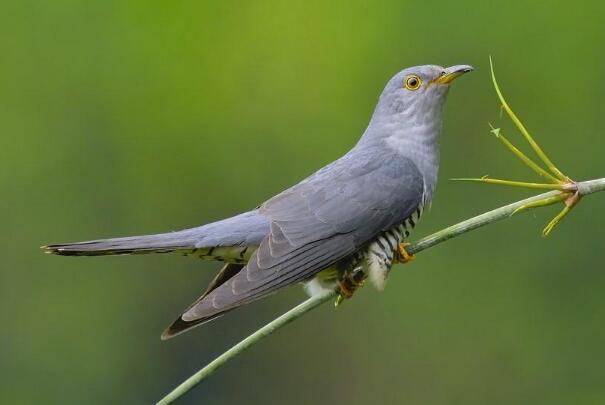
(524, 158)
(266, 330)
(499, 182)
(551, 166)
(541, 203)
(555, 221)
(460, 228)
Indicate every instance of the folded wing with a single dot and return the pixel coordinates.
(318, 222)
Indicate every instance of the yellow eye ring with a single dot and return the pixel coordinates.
(412, 82)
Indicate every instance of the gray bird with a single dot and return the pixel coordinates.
(343, 224)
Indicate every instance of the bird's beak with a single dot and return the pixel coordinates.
(452, 72)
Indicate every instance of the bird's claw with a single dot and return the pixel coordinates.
(402, 254)
(349, 284)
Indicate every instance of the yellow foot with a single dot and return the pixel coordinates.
(403, 256)
(348, 285)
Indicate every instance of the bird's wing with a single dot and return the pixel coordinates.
(320, 221)
(180, 326)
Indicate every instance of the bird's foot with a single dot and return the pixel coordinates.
(349, 284)
(402, 255)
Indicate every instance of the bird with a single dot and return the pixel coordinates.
(345, 223)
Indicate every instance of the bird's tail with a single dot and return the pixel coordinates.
(160, 243)
(231, 240)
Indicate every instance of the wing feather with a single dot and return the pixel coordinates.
(320, 221)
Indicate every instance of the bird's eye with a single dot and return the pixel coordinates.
(412, 82)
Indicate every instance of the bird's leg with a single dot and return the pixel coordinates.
(402, 255)
(349, 284)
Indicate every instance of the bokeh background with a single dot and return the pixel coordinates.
(125, 117)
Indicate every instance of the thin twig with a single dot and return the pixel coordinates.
(584, 188)
(524, 158)
(542, 203)
(551, 166)
(266, 330)
(512, 183)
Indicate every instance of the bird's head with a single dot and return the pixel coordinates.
(407, 118)
(418, 91)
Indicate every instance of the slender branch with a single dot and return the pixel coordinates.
(266, 330)
(524, 158)
(542, 203)
(584, 188)
(553, 222)
(551, 166)
(500, 182)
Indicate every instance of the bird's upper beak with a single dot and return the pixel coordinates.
(452, 72)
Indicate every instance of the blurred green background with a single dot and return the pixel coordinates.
(124, 117)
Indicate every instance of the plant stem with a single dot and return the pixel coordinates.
(524, 130)
(542, 203)
(266, 330)
(584, 188)
(500, 182)
(524, 158)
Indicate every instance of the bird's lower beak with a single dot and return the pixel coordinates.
(452, 72)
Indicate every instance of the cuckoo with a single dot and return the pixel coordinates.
(343, 224)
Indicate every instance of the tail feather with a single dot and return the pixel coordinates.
(162, 243)
(232, 240)
(222, 240)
